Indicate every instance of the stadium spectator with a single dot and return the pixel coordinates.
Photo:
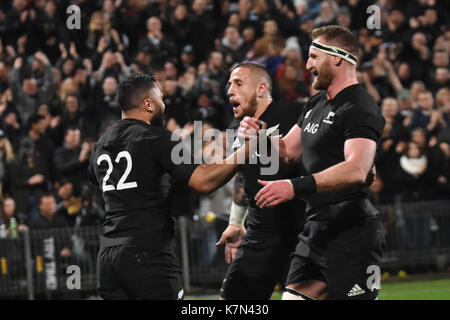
(106, 104)
(8, 211)
(27, 178)
(160, 45)
(6, 156)
(72, 159)
(233, 47)
(67, 204)
(26, 93)
(49, 218)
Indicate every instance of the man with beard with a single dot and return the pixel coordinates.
(341, 245)
(260, 253)
(137, 257)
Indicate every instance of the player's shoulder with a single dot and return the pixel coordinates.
(127, 131)
(358, 98)
(287, 108)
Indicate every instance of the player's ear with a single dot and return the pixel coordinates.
(262, 87)
(149, 105)
(337, 61)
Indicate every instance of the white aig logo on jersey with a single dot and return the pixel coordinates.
(311, 127)
(330, 118)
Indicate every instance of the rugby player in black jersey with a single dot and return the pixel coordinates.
(137, 257)
(340, 248)
(262, 257)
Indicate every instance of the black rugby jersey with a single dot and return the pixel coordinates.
(287, 217)
(130, 163)
(326, 125)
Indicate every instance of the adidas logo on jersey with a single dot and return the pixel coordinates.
(355, 291)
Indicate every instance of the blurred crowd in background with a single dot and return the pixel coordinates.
(57, 86)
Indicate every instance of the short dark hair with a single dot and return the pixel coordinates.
(33, 119)
(258, 68)
(338, 36)
(71, 128)
(46, 195)
(132, 88)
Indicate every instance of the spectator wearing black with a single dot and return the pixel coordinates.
(72, 116)
(6, 156)
(170, 70)
(176, 113)
(426, 116)
(37, 131)
(112, 65)
(187, 58)
(82, 75)
(72, 159)
(233, 47)
(27, 93)
(11, 124)
(26, 178)
(16, 20)
(436, 164)
(8, 211)
(161, 46)
(211, 111)
(215, 78)
(100, 30)
(413, 176)
(67, 204)
(202, 30)
(49, 31)
(142, 61)
(49, 219)
(396, 29)
(178, 25)
(106, 104)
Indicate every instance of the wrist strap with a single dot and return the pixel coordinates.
(237, 214)
(304, 184)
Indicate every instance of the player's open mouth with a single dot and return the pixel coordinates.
(315, 73)
(235, 105)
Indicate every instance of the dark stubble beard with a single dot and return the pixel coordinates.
(324, 78)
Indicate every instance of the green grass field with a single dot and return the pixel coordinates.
(410, 290)
(404, 290)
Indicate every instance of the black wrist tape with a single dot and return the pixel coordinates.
(304, 184)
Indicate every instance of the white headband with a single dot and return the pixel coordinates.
(335, 51)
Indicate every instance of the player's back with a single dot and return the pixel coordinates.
(127, 164)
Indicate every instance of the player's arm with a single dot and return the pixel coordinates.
(359, 156)
(290, 147)
(232, 235)
(208, 177)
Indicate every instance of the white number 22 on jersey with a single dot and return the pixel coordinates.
(122, 184)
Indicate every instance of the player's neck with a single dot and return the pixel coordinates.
(342, 80)
(263, 104)
(136, 115)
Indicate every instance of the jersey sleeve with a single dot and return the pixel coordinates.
(302, 116)
(91, 174)
(172, 152)
(361, 122)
